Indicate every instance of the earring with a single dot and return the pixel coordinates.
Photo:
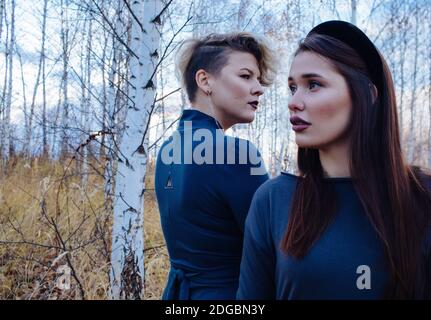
(208, 92)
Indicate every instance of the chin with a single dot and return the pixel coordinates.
(303, 143)
(248, 118)
(245, 119)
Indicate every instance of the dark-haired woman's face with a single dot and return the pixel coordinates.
(236, 89)
(320, 105)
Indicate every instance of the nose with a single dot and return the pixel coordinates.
(296, 103)
(257, 89)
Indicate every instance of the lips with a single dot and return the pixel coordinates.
(254, 104)
(299, 124)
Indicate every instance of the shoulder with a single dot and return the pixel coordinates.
(424, 176)
(239, 145)
(284, 181)
(277, 189)
(270, 206)
(243, 155)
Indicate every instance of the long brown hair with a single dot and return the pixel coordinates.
(393, 194)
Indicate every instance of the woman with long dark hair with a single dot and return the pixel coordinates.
(205, 180)
(355, 223)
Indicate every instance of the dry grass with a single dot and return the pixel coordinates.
(45, 208)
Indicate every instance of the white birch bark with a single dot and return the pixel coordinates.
(429, 92)
(413, 106)
(65, 107)
(86, 99)
(7, 147)
(354, 12)
(44, 122)
(1, 15)
(29, 124)
(111, 101)
(127, 270)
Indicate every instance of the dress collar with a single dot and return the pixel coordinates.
(199, 119)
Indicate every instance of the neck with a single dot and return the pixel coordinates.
(335, 160)
(205, 105)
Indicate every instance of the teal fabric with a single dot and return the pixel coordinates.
(203, 208)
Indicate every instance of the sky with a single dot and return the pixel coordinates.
(28, 35)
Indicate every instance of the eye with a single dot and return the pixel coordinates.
(313, 84)
(245, 76)
(292, 88)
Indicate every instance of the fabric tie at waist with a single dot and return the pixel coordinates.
(178, 286)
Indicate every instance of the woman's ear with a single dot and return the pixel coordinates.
(203, 80)
(374, 92)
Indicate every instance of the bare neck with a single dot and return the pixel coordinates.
(204, 104)
(335, 160)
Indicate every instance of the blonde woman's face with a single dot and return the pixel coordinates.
(236, 89)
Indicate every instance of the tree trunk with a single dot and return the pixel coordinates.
(413, 106)
(1, 15)
(111, 103)
(44, 124)
(354, 12)
(429, 91)
(29, 131)
(24, 98)
(7, 143)
(86, 88)
(64, 147)
(127, 270)
(404, 24)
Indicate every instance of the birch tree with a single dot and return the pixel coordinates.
(7, 143)
(41, 66)
(429, 89)
(110, 106)
(413, 106)
(65, 78)
(86, 90)
(1, 15)
(354, 11)
(43, 60)
(127, 270)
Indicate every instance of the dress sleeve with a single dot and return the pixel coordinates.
(257, 273)
(427, 293)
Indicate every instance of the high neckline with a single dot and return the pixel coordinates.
(326, 179)
(199, 119)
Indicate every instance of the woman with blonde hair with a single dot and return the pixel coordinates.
(205, 179)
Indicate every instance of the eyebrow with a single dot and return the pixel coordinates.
(308, 75)
(249, 70)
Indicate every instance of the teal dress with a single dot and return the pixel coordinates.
(203, 206)
(347, 261)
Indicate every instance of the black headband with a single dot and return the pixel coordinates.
(358, 41)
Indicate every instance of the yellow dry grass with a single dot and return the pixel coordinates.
(45, 208)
